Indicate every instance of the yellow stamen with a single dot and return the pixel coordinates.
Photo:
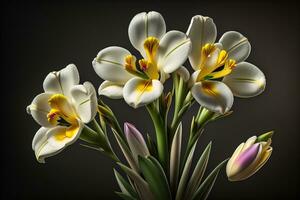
(229, 66)
(61, 111)
(130, 63)
(211, 59)
(53, 116)
(223, 55)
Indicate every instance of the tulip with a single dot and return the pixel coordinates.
(140, 82)
(61, 110)
(220, 70)
(249, 157)
(135, 141)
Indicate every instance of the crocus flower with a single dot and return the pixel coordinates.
(135, 141)
(140, 83)
(61, 110)
(248, 158)
(220, 70)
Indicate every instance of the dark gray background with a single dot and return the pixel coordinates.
(37, 38)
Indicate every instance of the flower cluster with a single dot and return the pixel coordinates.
(68, 111)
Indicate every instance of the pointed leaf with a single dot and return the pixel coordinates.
(184, 108)
(205, 188)
(156, 178)
(151, 146)
(141, 184)
(125, 196)
(198, 173)
(175, 157)
(126, 151)
(124, 185)
(185, 174)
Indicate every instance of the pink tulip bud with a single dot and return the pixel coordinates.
(248, 158)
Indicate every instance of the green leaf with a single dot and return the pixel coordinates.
(205, 188)
(151, 146)
(124, 185)
(175, 158)
(265, 137)
(126, 151)
(198, 173)
(185, 174)
(125, 196)
(141, 184)
(184, 108)
(155, 177)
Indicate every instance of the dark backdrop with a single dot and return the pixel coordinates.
(37, 38)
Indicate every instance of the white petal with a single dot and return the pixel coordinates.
(62, 81)
(173, 51)
(184, 73)
(138, 92)
(163, 77)
(47, 144)
(39, 108)
(213, 95)
(54, 141)
(246, 80)
(193, 78)
(145, 25)
(111, 90)
(110, 64)
(202, 30)
(39, 137)
(235, 154)
(236, 45)
(85, 100)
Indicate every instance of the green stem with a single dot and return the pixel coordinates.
(161, 135)
(97, 140)
(180, 92)
(202, 118)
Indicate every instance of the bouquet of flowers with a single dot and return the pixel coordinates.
(156, 168)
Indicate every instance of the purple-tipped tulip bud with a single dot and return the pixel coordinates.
(135, 141)
(248, 158)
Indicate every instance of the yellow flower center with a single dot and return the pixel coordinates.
(148, 65)
(214, 63)
(62, 114)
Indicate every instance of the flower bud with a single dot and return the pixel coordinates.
(135, 141)
(249, 157)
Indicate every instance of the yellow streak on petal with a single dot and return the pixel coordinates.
(71, 131)
(149, 66)
(142, 87)
(151, 45)
(68, 133)
(209, 89)
(60, 136)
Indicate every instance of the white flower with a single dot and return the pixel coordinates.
(163, 53)
(61, 110)
(223, 60)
